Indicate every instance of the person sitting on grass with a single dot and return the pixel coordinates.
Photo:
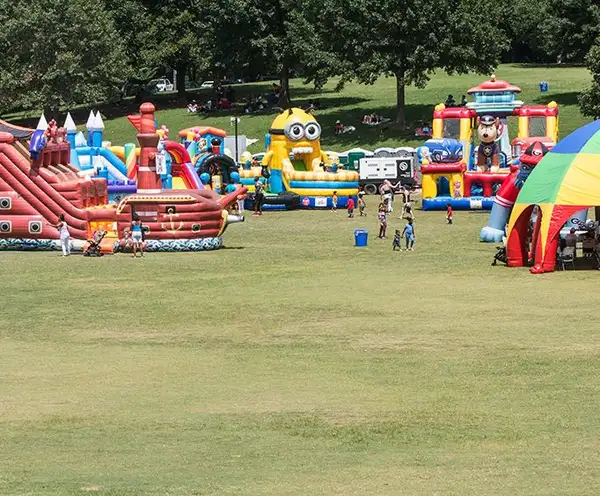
(409, 235)
(450, 101)
(192, 107)
(382, 218)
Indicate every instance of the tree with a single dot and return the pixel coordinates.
(410, 40)
(572, 27)
(58, 54)
(173, 36)
(589, 100)
(226, 38)
(528, 37)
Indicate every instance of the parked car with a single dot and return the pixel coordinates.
(229, 82)
(207, 84)
(268, 77)
(162, 84)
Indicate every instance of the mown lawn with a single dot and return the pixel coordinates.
(292, 363)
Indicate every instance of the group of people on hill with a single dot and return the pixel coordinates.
(451, 102)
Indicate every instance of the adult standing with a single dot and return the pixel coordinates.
(386, 191)
(65, 236)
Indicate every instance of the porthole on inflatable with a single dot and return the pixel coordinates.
(5, 226)
(35, 227)
(195, 227)
(5, 203)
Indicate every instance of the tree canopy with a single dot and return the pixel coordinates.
(410, 40)
(590, 98)
(59, 54)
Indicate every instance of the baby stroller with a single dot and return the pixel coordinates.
(500, 255)
(93, 247)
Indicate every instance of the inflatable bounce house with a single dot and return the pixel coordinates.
(205, 148)
(456, 171)
(297, 171)
(560, 189)
(181, 165)
(38, 182)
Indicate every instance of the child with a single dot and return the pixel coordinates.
(334, 201)
(382, 217)
(137, 236)
(409, 235)
(449, 213)
(361, 204)
(396, 243)
(350, 207)
(258, 196)
(65, 237)
(407, 211)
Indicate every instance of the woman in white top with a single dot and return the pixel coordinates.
(65, 237)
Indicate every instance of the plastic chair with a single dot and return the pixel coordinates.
(566, 258)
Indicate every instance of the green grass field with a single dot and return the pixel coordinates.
(350, 105)
(356, 100)
(292, 363)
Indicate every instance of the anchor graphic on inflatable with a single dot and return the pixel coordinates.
(172, 229)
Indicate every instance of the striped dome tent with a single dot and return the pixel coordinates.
(566, 181)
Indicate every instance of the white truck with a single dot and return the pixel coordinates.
(395, 165)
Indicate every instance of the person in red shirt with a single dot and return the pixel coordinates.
(350, 207)
(449, 214)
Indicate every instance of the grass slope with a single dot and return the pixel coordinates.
(292, 364)
(351, 104)
(355, 100)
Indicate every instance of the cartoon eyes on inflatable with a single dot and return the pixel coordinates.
(312, 130)
(294, 131)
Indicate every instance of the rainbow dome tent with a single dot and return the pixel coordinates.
(566, 181)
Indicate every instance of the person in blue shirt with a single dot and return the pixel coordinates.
(137, 236)
(409, 235)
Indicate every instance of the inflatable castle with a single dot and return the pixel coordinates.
(455, 171)
(300, 174)
(38, 182)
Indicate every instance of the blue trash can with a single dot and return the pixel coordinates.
(544, 86)
(361, 237)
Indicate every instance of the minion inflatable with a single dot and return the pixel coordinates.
(297, 164)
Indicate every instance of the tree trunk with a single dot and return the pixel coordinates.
(400, 98)
(181, 72)
(284, 95)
